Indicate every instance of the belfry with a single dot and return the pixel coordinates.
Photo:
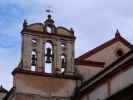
(46, 45)
(46, 70)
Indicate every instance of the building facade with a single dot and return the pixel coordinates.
(49, 70)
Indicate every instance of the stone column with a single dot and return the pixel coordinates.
(58, 54)
(55, 62)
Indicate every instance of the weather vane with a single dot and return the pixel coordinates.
(49, 10)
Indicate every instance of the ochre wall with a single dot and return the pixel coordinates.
(37, 97)
(2, 95)
(111, 86)
(87, 71)
(108, 55)
(44, 86)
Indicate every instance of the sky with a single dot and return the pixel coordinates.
(94, 22)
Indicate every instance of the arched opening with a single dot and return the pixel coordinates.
(33, 60)
(63, 45)
(63, 63)
(34, 41)
(48, 57)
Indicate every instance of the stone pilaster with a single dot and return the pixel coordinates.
(27, 49)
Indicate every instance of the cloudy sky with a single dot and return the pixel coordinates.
(94, 22)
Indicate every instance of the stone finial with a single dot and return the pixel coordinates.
(71, 29)
(49, 17)
(117, 34)
(25, 23)
(49, 20)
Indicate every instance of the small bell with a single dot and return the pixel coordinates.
(63, 63)
(33, 60)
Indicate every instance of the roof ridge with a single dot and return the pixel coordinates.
(104, 45)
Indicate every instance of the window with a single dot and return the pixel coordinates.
(48, 57)
(33, 60)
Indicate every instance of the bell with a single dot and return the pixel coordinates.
(48, 56)
(33, 63)
(48, 60)
(33, 60)
(63, 63)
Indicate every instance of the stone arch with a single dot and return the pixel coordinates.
(48, 59)
(63, 59)
(33, 60)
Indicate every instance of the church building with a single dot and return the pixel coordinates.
(48, 69)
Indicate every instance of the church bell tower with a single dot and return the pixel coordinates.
(46, 71)
(47, 48)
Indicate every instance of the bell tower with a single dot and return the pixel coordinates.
(47, 48)
(46, 71)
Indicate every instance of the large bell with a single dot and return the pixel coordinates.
(33, 63)
(48, 56)
(48, 60)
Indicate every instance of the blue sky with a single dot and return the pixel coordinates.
(94, 22)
